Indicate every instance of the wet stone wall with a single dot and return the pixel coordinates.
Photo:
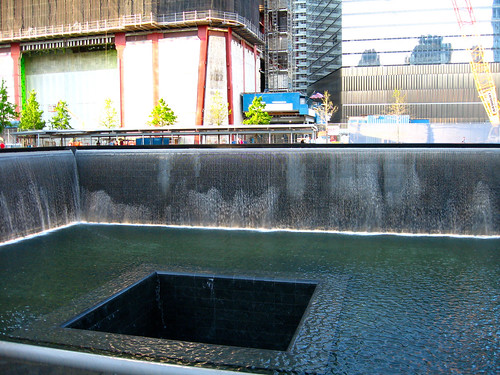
(244, 312)
(438, 191)
(38, 191)
(428, 191)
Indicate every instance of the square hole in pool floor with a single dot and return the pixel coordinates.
(243, 312)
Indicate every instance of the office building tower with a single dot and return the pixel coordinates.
(418, 49)
(303, 42)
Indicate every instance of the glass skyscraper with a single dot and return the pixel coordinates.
(324, 40)
(303, 42)
(416, 48)
(403, 32)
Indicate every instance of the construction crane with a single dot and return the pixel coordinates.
(480, 68)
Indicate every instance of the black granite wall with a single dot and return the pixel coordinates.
(253, 313)
(134, 311)
(395, 190)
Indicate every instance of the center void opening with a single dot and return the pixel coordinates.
(234, 311)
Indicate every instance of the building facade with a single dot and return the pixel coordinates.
(303, 42)
(416, 48)
(361, 51)
(495, 21)
(134, 53)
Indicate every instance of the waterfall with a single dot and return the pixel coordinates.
(428, 191)
(38, 191)
(413, 190)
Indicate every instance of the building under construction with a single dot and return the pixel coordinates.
(303, 42)
(135, 52)
(391, 46)
(364, 51)
(132, 52)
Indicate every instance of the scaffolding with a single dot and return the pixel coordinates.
(279, 57)
(304, 42)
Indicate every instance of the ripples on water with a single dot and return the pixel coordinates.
(409, 304)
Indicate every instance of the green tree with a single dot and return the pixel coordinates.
(61, 118)
(325, 109)
(256, 114)
(219, 110)
(109, 118)
(162, 115)
(7, 109)
(31, 115)
(399, 107)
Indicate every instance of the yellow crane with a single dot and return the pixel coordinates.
(480, 68)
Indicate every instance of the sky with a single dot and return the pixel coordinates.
(396, 25)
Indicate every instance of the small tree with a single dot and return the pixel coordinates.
(256, 114)
(61, 119)
(399, 107)
(325, 109)
(31, 115)
(219, 110)
(109, 118)
(7, 109)
(162, 115)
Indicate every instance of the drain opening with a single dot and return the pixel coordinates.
(252, 313)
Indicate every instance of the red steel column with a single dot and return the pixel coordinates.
(202, 73)
(120, 42)
(244, 45)
(156, 76)
(256, 68)
(15, 52)
(229, 67)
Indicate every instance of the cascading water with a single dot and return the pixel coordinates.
(452, 191)
(423, 191)
(38, 191)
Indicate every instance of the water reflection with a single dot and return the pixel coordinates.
(402, 304)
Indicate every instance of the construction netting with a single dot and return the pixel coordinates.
(248, 9)
(26, 14)
(16, 15)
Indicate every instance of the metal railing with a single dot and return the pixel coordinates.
(123, 22)
(229, 18)
(131, 22)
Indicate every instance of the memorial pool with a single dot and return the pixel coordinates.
(390, 304)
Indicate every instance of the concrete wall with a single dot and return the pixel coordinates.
(246, 76)
(239, 78)
(420, 133)
(216, 76)
(138, 82)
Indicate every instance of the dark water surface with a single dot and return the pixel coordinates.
(406, 304)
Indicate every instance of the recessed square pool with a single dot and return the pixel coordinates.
(246, 312)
